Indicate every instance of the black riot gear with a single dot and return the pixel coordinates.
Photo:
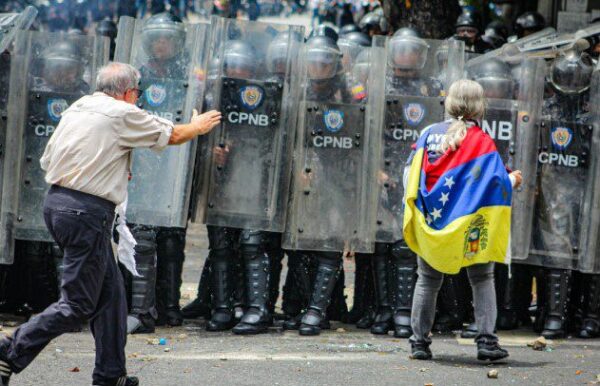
(528, 23)
(351, 45)
(323, 58)
(499, 28)
(374, 23)
(495, 77)
(62, 65)
(572, 72)
(407, 31)
(468, 19)
(325, 31)
(163, 35)
(108, 28)
(277, 52)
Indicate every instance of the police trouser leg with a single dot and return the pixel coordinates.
(223, 256)
(362, 308)
(382, 263)
(590, 327)
(170, 257)
(143, 288)
(257, 264)
(298, 288)
(200, 307)
(558, 287)
(405, 277)
(328, 269)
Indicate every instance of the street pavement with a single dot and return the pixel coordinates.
(341, 356)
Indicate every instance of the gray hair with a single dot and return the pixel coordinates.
(116, 78)
(465, 101)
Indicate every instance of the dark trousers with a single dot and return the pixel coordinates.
(91, 289)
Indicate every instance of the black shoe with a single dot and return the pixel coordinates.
(366, 321)
(292, 323)
(310, 324)
(140, 324)
(589, 329)
(121, 381)
(402, 327)
(172, 318)
(490, 351)
(420, 351)
(470, 332)
(553, 328)
(222, 320)
(253, 322)
(5, 373)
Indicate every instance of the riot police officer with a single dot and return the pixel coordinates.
(60, 76)
(108, 28)
(528, 23)
(559, 200)
(374, 23)
(156, 294)
(469, 29)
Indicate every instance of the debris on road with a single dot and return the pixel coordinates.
(492, 374)
(539, 344)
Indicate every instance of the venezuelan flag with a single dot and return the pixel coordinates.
(457, 210)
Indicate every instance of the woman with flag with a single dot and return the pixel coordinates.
(457, 214)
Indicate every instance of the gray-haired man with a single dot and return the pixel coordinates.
(87, 163)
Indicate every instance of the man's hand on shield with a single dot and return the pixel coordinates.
(205, 122)
(220, 154)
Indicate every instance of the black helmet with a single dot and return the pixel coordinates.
(499, 27)
(348, 28)
(62, 63)
(529, 21)
(277, 52)
(407, 52)
(495, 77)
(239, 57)
(163, 26)
(468, 19)
(323, 58)
(351, 45)
(372, 21)
(407, 31)
(571, 73)
(324, 30)
(492, 38)
(362, 65)
(107, 27)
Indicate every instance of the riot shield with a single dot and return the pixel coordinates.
(589, 261)
(514, 94)
(564, 171)
(167, 57)
(11, 23)
(254, 83)
(408, 99)
(333, 198)
(48, 72)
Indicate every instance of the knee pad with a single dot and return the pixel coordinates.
(170, 244)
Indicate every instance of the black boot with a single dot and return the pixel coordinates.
(141, 319)
(323, 287)
(170, 258)
(121, 381)
(384, 317)
(558, 283)
(257, 317)
(300, 279)
(591, 307)
(404, 266)
(451, 304)
(362, 274)
(200, 307)
(488, 349)
(239, 286)
(513, 296)
(221, 272)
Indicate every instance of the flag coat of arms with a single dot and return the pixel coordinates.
(457, 209)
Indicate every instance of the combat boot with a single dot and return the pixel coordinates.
(384, 317)
(200, 307)
(558, 283)
(223, 317)
(488, 349)
(121, 381)
(362, 276)
(591, 307)
(300, 280)
(257, 317)
(404, 266)
(323, 287)
(143, 288)
(170, 258)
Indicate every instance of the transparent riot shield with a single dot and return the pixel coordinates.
(11, 23)
(167, 56)
(48, 73)
(589, 261)
(334, 200)
(254, 83)
(564, 171)
(407, 99)
(514, 87)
